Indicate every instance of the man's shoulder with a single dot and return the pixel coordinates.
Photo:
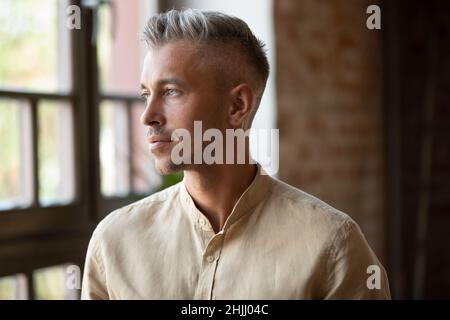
(138, 212)
(304, 210)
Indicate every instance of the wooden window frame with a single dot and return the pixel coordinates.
(36, 237)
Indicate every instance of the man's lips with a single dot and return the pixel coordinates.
(157, 142)
(153, 139)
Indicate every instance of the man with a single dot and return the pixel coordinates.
(227, 231)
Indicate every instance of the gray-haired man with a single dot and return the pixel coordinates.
(227, 231)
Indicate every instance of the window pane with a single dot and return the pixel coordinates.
(34, 44)
(49, 283)
(8, 288)
(114, 149)
(15, 154)
(56, 171)
(145, 177)
(120, 51)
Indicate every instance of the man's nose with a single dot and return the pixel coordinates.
(152, 115)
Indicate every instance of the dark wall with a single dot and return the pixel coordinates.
(417, 82)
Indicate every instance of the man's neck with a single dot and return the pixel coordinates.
(215, 189)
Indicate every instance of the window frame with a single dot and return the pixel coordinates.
(36, 237)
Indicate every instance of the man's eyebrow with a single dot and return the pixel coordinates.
(171, 80)
(164, 81)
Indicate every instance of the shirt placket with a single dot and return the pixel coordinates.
(210, 260)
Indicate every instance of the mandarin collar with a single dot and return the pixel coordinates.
(253, 195)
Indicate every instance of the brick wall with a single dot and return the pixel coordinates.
(330, 102)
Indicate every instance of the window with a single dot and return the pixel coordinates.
(35, 51)
(15, 171)
(125, 167)
(50, 284)
(55, 153)
(72, 146)
(8, 288)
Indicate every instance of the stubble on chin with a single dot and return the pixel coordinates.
(166, 166)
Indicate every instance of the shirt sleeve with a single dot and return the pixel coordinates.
(353, 270)
(94, 279)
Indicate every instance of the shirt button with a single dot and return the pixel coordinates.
(202, 222)
(210, 258)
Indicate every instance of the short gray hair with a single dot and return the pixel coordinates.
(210, 28)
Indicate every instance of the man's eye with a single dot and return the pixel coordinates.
(172, 92)
(144, 96)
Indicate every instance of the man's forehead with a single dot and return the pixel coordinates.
(172, 56)
(175, 60)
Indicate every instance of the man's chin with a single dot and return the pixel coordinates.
(165, 167)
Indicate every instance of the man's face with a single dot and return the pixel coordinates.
(179, 88)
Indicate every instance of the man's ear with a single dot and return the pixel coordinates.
(241, 105)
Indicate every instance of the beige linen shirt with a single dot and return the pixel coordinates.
(277, 243)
